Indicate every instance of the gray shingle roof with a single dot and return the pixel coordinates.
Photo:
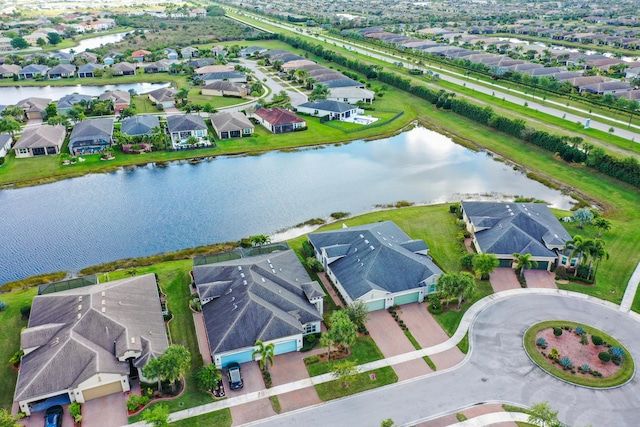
(62, 68)
(377, 258)
(326, 105)
(73, 333)
(272, 304)
(516, 228)
(93, 129)
(230, 120)
(163, 94)
(41, 136)
(139, 125)
(185, 122)
(68, 101)
(342, 83)
(223, 75)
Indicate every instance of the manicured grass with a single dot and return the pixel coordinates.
(11, 322)
(221, 418)
(363, 351)
(275, 404)
(450, 319)
(463, 345)
(361, 382)
(140, 77)
(625, 372)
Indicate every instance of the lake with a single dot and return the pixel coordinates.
(13, 95)
(75, 223)
(94, 42)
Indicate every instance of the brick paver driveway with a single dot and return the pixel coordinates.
(36, 419)
(290, 367)
(503, 279)
(540, 279)
(251, 411)
(107, 411)
(201, 334)
(251, 379)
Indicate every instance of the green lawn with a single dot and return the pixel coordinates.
(361, 382)
(363, 351)
(221, 418)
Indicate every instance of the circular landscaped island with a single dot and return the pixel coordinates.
(579, 354)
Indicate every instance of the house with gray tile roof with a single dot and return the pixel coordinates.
(163, 97)
(89, 70)
(91, 136)
(377, 264)
(83, 343)
(62, 71)
(32, 71)
(43, 140)
(231, 124)
(183, 126)
(268, 297)
(140, 125)
(323, 107)
(34, 108)
(67, 102)
(507, 228)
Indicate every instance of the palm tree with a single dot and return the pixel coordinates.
(580, 246)
(524, 262)
(182, 94)
(326, 341)
(602, 225)
(266, 353)
(9, 125)
(597, 252)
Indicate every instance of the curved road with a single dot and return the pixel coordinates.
(496, 369)
(510, 95)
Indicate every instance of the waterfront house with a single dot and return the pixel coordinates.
(140, 125)
(268, 297)
(89, 70)
(91, 136)
(7, 71)
(231, 124)
(333, 109)
(161, 66)
(189, 52)
(507, 228)
(62, 71)
(87, 342)
(227, 76)
(34, 108)
(123, 69)
(351, 95)
(163, 97)
(67, 102)
(43, 140)
(88, 57)
(110, 58)
(120, 99)
(138, 55)
(33, 71)
(183, 126)
(278, 120)
(377, 264)
(222, 88)
(5, 143)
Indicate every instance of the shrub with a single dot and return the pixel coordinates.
(554, 354)
(583, 340)
(585, 368)
(616, 352)
(25, 311)
(75, 409)
(135, 401)
(557, 331)
(579, 330)
(604, 356)
(561, 273)
(454, 208)
(566, 362)
(311, 360)
(466, 261)
(3, 306)
(15, 359)
(596, 340)
(435, 305)
(541, 342)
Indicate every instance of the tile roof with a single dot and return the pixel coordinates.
(326, 105)
(41, 136)
(278, 116)
(68, 101)
(225, 121)
(185, 122)
(139, 125)
(34, 104)
(163, 94)
(92, 129)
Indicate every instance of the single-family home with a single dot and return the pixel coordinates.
(202, 62)
(44, 140)
(140, 125)
(88, 56)
(67, 102)
(5, 44)
(377, 264)
(89, 70)
(507, 228)
(219, 51)
(91, 136)
(269, 298)
(161, 66)
(213, 69)
(228, 76)
(330, 84)
(252, 51)
(296, 65)
(5, 143)
(183, 126)
(278, 120)
(120, 99)
(333, 109)
(609, 87)
(123, 69)
(138, 55)
(63, 57)
(231, 124)
(87, 342)
(62, 71)
(222, 88)
(351, 95)
(172, 54)
(189, 52)
(34, 108)
(110, 58)
(7, 71)
(33, 71)
(164, 97)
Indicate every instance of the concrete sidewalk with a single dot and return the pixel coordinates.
(630, 292)
(492, 419)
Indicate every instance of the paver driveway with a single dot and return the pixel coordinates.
(424, 328)
(540, 279)
(503, 279)
(251, 379)
(251, 411)
(107, 411)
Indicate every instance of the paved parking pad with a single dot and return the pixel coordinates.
(107, 411)
(503, 279)
(251, 379)
(299, 399)
(540, 279)
(424, 328)
(387, 334)
(290, 367)
(251, 411)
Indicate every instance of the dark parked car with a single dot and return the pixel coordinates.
(235, 376)
(53, 417)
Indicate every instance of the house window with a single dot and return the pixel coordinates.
(23, 150)
(564, 259)
(309, 328)
(432, 288)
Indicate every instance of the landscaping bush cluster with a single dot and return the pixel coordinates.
(435, 304)
(393, 310)
(135, 401)
(266, 376)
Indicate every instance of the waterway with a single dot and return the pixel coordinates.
(95, 42)
(13, 95)
(71, 224)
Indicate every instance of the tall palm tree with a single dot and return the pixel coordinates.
(266, 353)
(580, 246)
(598, 252)
(524, 261)
(602, 225)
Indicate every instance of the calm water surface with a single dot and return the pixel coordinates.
(94, 42)
(85, 221)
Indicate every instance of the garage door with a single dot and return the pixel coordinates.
(286, 347)
(240, 357)
(542, 265)
(505, 263)
(103, 390)
(407, 298)
(375, 305)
